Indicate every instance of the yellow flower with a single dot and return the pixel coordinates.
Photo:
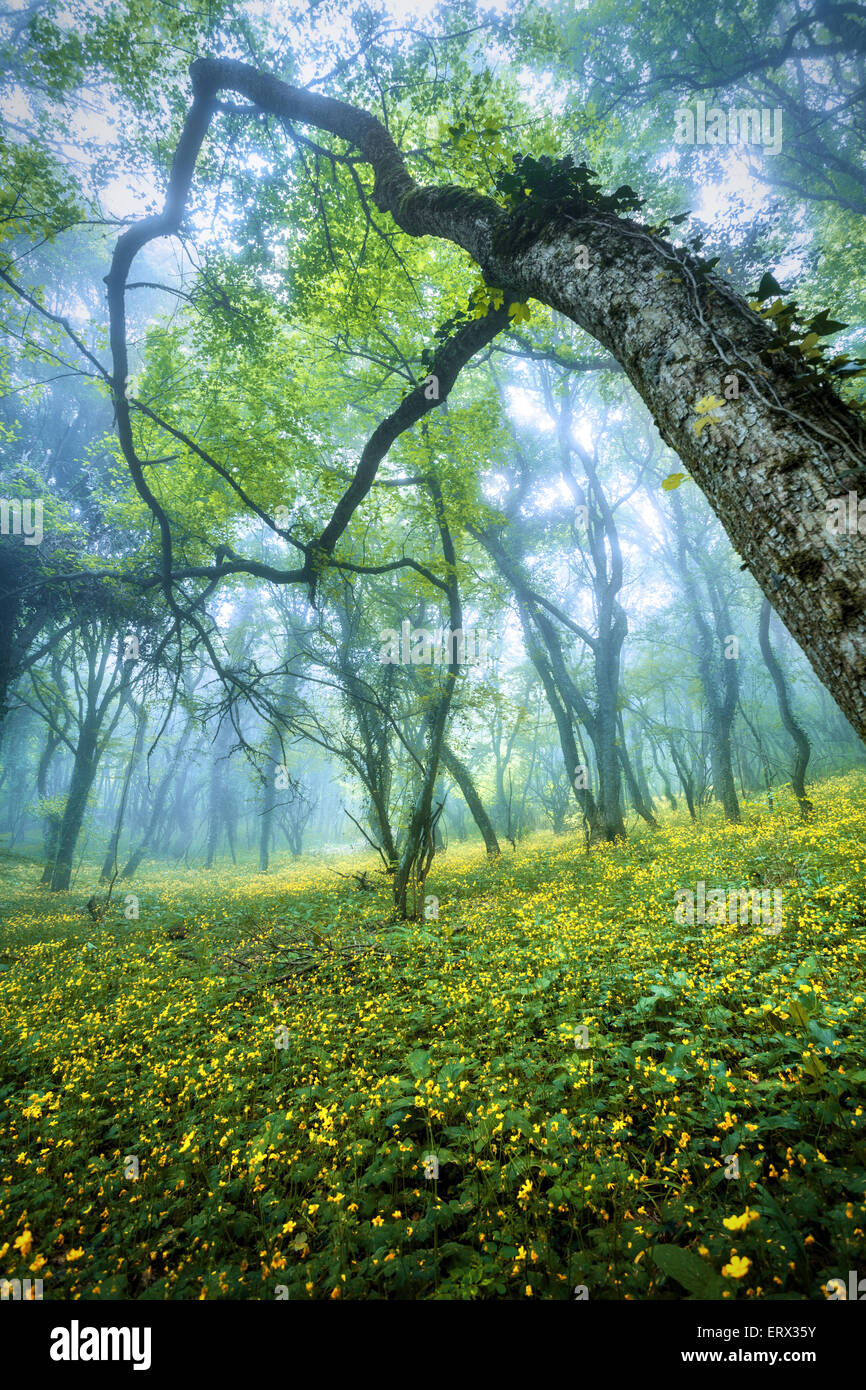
(737, 1268)
(736, 1222)
(740, 1223)
(74, 1255)
(24, 1243)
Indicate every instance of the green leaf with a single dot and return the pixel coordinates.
(768, 287)
(797, 1013)
(689, 1270)
(419, 1063)
(822, 324)
(672, 480)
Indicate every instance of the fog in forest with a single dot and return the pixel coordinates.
(432, 650)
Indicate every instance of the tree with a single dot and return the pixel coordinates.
(99, 697)
(716, 661)
(768, 464)
(802, 747)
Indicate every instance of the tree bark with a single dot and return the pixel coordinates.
(110, 861)
(158, 805)
(461, 776)
(83, 773)
(641, 805)
(802, 747)
(768, 463)
(418, 849)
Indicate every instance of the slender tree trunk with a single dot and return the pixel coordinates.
(269, 797)
(802, 747)
(686, 779)
(110, 860)
(637, 798)
(768, 462)
(660, 769)
(214, 809)
(461, 776)
(158, 806)
(83, 773)
(418, 849)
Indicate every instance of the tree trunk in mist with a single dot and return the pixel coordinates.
(418, 848)
(230, 823)
(718, 673)
(686, 779)
(721, 767)
(586, 801)
(83, 773)
(215, 797)
(269, 797)
(50, 824)
(767, 464)
(50, 838)
(639, 801)
(110, 861)
(461, 776)
(658, 764)
(802, 747)
(158, 807)
(603, 816)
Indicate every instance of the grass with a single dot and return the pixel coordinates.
(233, 1095)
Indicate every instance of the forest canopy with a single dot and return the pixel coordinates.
(433, 495)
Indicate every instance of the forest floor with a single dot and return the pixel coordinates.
(247, 1092)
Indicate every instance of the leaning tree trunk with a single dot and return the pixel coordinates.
(83, 773)
(461, 776)
(214, 810)
(603, 818)
(593, 822)
(718, 675)
(658, 764)
(418, 848)
(802, 747)
(158, 806)
(768, 462)
(687, 781)
(269, 798)
(640, 803)
(109, 863)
